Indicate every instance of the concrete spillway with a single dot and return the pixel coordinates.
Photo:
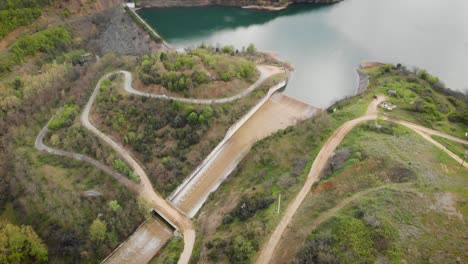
(274, 112)
(277, 112)
(144, 243)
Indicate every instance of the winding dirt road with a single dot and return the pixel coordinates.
(39, 144)
(321, 161)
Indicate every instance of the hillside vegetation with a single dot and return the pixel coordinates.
(201, 72)
(47, 192)
(170, 138)
(403, 208)
(15, 13)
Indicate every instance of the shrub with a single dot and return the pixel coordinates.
(251, 48)
(316, 250)
(98, 230)
(114, 205)
(43, 41)
(249, 206)
(228, 49)
(123, 168)
(241, 250)
(18, 13)
(65, 117)
(20, 244)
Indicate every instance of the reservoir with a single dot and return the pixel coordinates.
(326, 43)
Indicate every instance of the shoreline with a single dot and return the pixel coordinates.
(267, 7)
(227, 3)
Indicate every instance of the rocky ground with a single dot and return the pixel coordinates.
(118, 33)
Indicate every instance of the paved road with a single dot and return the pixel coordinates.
(266, 71)
(321, 161)
(39, 144)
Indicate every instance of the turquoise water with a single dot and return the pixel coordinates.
(326, 43)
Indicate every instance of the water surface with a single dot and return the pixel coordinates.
(326, 43)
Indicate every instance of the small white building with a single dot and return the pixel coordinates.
(130, 5)
(387, 105)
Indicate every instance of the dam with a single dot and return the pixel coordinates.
(277, 112)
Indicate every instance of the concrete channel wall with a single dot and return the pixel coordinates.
(229, 134)
(130, 7)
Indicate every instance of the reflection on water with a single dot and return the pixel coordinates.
(325, 43)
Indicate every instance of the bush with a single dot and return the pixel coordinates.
(65, 117)
(98, 230)
(248, 207)
(43, 41)
(316, 251)
(123, 168)
(19, 13)
(251, 48)
(20, 244)
(459, 117)
(241, 250)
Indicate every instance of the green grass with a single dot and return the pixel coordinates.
(421, 99)
(386, 213)
(458, 149)
(170, 253)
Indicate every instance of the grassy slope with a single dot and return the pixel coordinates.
(408, 221)
(265, 168)
(457, 148)
(418, 99)
(226, 72)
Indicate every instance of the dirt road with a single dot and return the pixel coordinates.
(321, 161)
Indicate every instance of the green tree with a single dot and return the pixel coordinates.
(251, 48)
(20, 244)
(97, 230)
(207, 112)
(241, 250)
(201, 119)
(54, 140)
(193, 118)
(114, 205)
(228, 49)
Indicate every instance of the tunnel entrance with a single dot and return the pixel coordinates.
(160, 218)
